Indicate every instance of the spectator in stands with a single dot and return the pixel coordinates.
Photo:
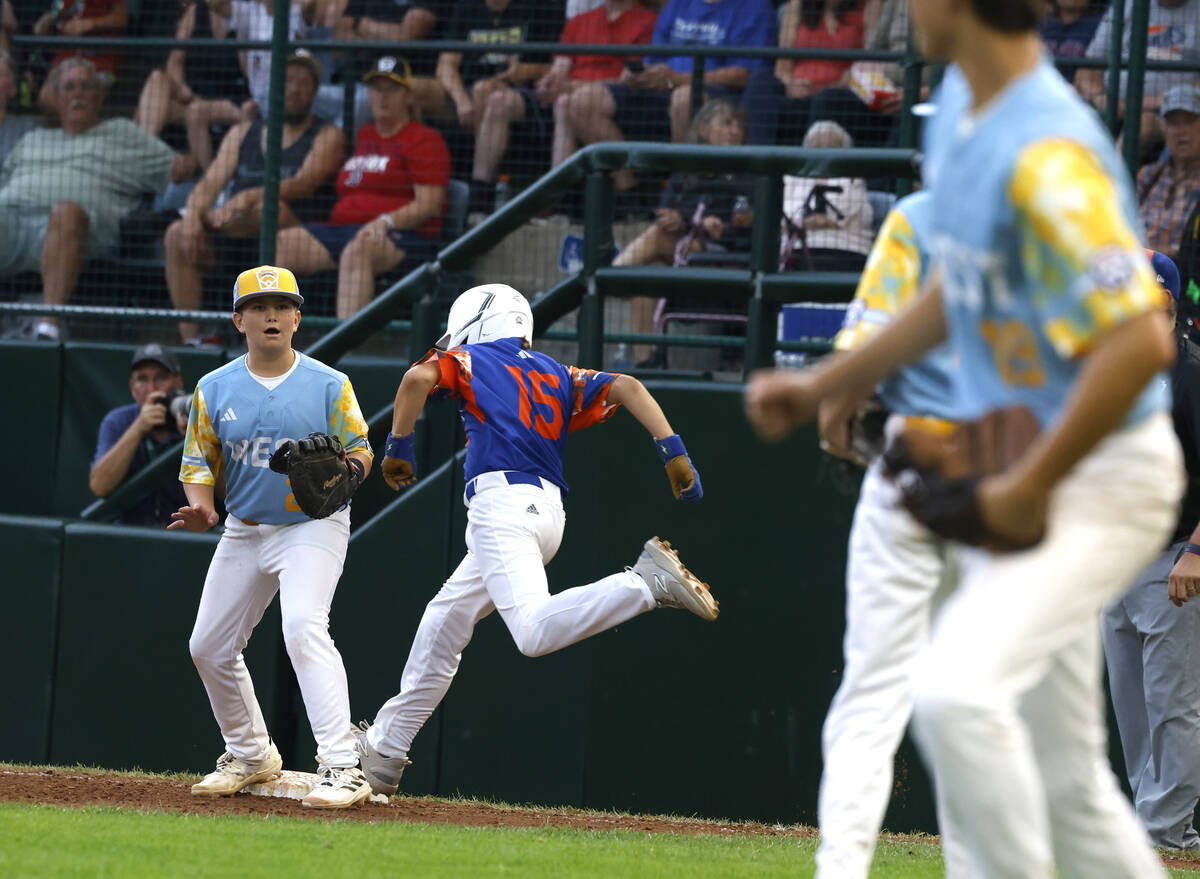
(832, 215)
(868, 107)
(8, 25)
(396, 21)
(391, 196)
(133, 435)
(1174, 35)
(616, 22)
(66, 189)
(250, 20)
(695, 209)
(1068, 28)
(656, 101)
(84, 18)
(1168, 190)
(778, 100)
(191, 79)
(465, 83)
(311, 155)
(12, 128)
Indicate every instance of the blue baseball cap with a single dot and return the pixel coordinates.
(1165, 269)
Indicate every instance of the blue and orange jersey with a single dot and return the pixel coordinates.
(518, 405)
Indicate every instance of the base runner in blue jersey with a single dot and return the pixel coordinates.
(241, 414)
(1048, 300)
(518, 406)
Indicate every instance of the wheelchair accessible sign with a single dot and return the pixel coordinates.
(570, 254)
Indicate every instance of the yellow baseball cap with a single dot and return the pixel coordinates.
(265, 281)
(393, 68)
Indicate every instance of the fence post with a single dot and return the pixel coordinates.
(697, 95)
(912, 91)
(1139, 25)
(273, 113)
(1113, 89)
(597, 251)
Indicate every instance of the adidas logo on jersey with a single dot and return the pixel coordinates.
(532, 510)
(228, 415)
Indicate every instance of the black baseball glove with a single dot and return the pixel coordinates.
(322, 479)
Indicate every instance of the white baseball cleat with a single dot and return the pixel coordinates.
(232, 774)
(672, 584)
(383, 773)
(338, 788)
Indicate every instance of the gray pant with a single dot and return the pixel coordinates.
(1153, 654)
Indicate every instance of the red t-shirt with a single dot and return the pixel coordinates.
(380, 176)
(633, 26)
(848, 35)
(106, 60)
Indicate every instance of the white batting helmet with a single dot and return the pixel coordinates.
(486, 313)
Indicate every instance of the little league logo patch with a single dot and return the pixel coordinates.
(268, 279)
(1111, 269)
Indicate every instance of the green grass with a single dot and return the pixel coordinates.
(42, 841)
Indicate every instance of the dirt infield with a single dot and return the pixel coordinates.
(64, 787)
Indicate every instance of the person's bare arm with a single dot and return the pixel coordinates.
(426, 204)
(183, 31)
(200, 514)
(787, 39)
(115, 19)
(632, 394)
(414, 389)
(112, 468)
(321, 163)
(1183, 583)
(219, 173)
(449, 76)
(414, 26)
(223, 8)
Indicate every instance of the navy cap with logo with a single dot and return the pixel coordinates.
(156, 353)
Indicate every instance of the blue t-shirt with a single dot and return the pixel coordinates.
(723, 23)
(518, 406)
(158, 507)
(1069, 40)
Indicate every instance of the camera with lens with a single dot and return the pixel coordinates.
(177, 402)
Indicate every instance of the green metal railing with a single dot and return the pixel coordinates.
(761, 284)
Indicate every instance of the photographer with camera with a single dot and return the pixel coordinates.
(133, 435)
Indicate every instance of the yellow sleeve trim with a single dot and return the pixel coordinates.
(889, 282)
(1083, 257)
(202, 462)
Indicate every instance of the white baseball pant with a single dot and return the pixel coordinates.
(513, 531)
(1009, 708)
(302, 562)
(896, 573)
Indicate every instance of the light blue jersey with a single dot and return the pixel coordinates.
(951, 99)
(897, 265)
(237, 423)
(1036, 237)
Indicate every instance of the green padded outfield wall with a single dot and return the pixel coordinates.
(32, 549)
(665, 713)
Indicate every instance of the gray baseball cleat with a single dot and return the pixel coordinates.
(672, 584)
(383, 773)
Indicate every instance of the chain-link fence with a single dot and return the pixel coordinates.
(140, 167)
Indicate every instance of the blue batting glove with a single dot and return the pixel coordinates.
(398, 467)
(685, 480)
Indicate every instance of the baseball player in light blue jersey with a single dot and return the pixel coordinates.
(1048, 300)
(895, 572)
(518, 406)
(241, 413)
